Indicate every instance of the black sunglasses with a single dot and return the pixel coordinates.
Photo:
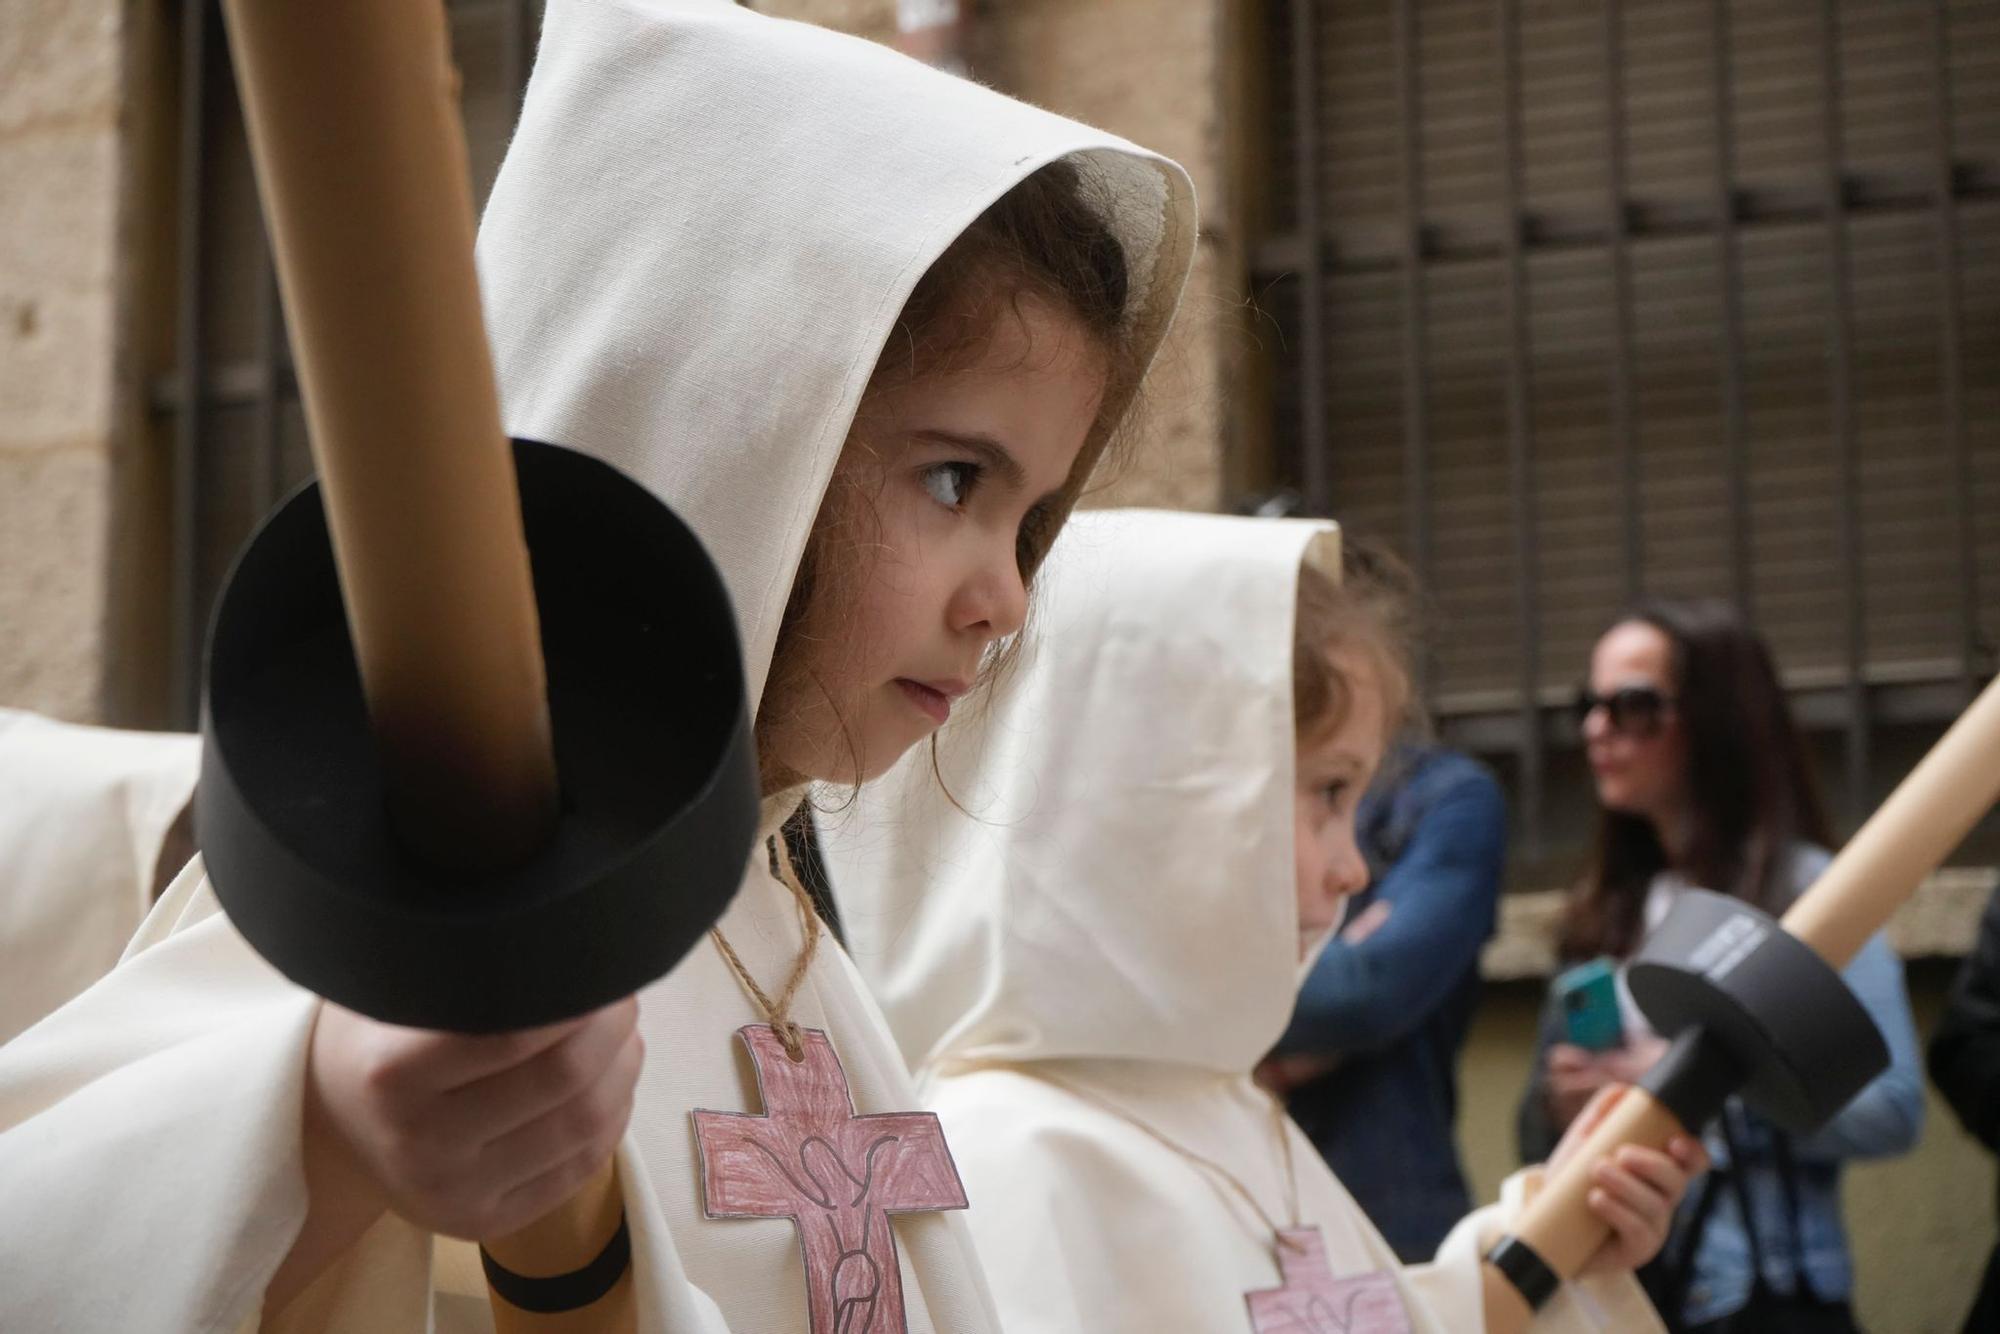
(1635, 710)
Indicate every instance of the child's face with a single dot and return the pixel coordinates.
(957, 465)
(1335, 766)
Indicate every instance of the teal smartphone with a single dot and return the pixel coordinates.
(1588, 994)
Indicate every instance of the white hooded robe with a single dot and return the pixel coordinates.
(84, 818)
(705, 226)
(1097, 925)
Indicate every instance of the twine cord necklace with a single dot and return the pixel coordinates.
(1216, 1171)
(778, 1013)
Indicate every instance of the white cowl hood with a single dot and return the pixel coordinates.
(704, 229)
(1087, 942)
(708, 322)
(1118, 882)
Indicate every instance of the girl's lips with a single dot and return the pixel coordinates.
(932, 702)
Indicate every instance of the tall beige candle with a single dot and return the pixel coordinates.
(353, 118)
(354, 127)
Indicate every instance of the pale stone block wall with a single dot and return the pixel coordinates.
(84, 106)
(59, 160)
(1148, 70)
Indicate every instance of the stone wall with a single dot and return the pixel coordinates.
(77, 480)
(1151, 71)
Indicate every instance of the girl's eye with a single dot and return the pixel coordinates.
(950, 484)
(1334, 791)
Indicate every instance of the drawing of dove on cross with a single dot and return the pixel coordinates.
(836, 1175)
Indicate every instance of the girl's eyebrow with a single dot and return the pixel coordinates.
(990, 451)
(1342, 764)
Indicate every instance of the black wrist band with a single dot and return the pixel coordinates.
(564, 1292)
(1527, 1271)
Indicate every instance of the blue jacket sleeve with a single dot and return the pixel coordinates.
(1886, 1117)
(1442, 894)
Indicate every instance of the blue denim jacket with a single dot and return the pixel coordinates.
(1395, 1007)
(1884, 1119)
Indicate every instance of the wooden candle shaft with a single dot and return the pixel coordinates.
(1907, 838)
(1878, 870)
(559, 1243)
(354, 128)
(353, 118)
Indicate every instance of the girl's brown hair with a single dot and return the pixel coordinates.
(1367, 614)
(1046, 239)
(1751, 790)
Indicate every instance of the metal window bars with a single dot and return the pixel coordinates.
(1589, 300)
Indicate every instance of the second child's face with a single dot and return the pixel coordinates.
(1335, 766)
(956, 468)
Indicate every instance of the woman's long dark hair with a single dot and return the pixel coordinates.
(1751, 790)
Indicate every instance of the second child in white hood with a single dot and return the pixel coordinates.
(1085, 913)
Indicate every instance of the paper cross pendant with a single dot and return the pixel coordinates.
(1313, 1301)
(836, 1175)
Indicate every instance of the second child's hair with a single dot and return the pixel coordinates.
(1750, 788)
(1047, 239)
(1365, 616)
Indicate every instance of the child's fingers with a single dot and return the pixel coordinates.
(1690, 1153)
(595, 1116)
(1655, 1170)
(1640, 1202)
(1636, 1233)
(489, 1108)
(440, 1062)
(531, 1200)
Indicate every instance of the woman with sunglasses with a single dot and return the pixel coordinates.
(1703, 780)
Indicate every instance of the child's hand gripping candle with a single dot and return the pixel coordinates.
(868, 329)
(1086, 912)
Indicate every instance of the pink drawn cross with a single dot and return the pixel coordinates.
(1313, 1301)
(836, 1175)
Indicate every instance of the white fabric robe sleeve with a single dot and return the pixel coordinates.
(84, 816)
(150, 1145)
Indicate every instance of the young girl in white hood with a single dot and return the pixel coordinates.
(1086, 912)
(867, 328)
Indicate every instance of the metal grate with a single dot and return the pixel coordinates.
(1589, 298)
(231, 402)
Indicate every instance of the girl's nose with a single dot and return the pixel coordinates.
(1347, 872)
(994, 600)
